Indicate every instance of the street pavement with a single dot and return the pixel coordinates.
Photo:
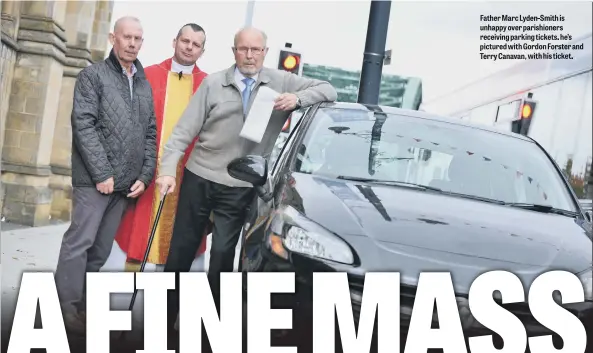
(37, 249)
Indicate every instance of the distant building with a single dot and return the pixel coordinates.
(561, 121)
(396, 91)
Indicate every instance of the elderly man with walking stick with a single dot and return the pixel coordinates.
(215, 115)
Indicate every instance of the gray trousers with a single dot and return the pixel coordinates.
(87, 244)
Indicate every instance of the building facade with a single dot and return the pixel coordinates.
(561, 123)
(44, 46)
(396, 91)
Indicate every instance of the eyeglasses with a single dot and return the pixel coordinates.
(254, 51)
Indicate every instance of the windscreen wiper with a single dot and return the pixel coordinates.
(389, 182)
(542, 208)
(421, 187)
(473, 197)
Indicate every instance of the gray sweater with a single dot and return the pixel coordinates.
(215, 115)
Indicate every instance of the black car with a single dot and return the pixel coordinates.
(360, 188)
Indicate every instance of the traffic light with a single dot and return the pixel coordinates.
(527, 109)
(526, 112)
(289, 60)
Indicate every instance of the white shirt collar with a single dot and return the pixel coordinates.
(239, 79)
(186, 69)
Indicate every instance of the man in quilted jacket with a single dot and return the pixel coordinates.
(113, 161)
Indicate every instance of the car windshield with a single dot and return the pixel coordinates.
(352, 144)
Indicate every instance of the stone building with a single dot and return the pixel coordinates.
(44, 46)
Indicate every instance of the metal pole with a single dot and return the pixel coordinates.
(589, 185)
(249, 13)
(374, 53)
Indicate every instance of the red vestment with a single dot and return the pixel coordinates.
(134, 230)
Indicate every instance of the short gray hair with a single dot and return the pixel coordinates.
(120, 20)
(264, 35)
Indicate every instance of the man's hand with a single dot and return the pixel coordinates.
(137, 189)
(106, 187)
(286, 101)
(166, 184)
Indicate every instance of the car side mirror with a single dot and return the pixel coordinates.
(251, 169)
(589, 215)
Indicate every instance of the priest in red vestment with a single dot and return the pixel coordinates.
(173, 81)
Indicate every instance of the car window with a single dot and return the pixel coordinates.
(282, 139)
(280, 142)
(361, 144)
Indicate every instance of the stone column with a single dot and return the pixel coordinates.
(10, 18)
(8, 50)
(80, 17)
(101, 29)
(32, 111)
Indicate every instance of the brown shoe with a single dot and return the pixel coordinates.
(74, 324)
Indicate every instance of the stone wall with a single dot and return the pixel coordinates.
(9, 23)
(7, 59)
(80, 17)
(101, 29)
(44, 46)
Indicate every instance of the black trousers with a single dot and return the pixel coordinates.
(199, 197)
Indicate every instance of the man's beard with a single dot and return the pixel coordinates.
(248, 71)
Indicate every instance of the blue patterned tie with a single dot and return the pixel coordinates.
(246, 92)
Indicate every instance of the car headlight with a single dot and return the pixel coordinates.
(299, 234)
(586, 278)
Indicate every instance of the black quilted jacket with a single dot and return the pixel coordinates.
(112, 135)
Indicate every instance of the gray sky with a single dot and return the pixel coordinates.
(436, 41)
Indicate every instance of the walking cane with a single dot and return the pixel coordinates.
(152, 233)
(150, 239)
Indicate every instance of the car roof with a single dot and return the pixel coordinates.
(418, 114)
